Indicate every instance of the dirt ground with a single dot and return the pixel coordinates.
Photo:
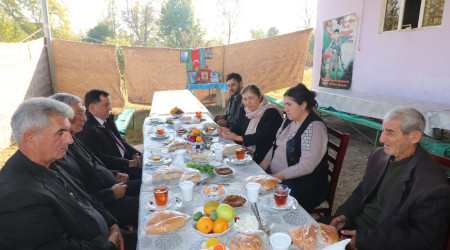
(355, 160)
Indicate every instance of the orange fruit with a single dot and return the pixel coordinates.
(210, 206)
(205, 225)
(211, 243)
(219, 246)
(220, 226)
(192, 133)
(196, 131)
(199, 139)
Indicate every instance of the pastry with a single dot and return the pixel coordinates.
(163, 221)
(166, 173)
(234, 200)
(246, 241)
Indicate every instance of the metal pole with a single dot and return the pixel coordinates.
(48, 42)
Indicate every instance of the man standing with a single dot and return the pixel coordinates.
(118, 194)
(403, 201)
(42, 207)
(234, 104)
(101, 136)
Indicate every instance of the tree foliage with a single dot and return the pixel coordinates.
(272, 32)
(230, 12)
(99, 33)
(139, 17)
(259, 33)
(178, 27)
(23, 18)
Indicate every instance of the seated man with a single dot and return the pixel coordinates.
(118, 194)
(101, 136)
(42, 207)
(234, 83)
(403, 201)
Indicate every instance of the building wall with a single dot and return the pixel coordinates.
(412, 64)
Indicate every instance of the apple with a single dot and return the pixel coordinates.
(192, 138)
(226, 212)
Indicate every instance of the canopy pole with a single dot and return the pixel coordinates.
(48, 43)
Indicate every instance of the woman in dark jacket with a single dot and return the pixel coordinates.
(256, 125)
(299, 155)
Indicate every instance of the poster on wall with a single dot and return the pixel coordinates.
(338, 52)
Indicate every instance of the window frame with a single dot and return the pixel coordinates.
(400, 18)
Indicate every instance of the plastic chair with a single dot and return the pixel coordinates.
(334, 170)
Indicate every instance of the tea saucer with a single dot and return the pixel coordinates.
(269, 202)
(173, 203)
(233, 160)
(156, 136)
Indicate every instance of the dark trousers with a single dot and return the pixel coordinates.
(133, 173)
(125, 210)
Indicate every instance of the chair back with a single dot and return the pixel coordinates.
(336, 159)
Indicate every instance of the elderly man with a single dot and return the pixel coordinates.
(234, 83)
(42, 207)
(403, 201)
(118, 194)
(101, 136)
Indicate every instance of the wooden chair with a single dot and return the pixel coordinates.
(335, 168)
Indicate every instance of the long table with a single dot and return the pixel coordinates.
(186, 237)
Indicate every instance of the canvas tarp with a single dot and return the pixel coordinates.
(80, 67)
(24, 74)
(272, 63)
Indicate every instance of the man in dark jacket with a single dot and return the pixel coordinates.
(42, 207)
(403, 201)
(118, 194)
(234, 104)
(101, 136)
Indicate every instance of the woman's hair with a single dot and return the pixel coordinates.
(300, 93)
(252, 88)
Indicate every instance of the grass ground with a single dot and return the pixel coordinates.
(134, 135)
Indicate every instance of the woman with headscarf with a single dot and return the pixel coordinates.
(299, 154)
(257, 123)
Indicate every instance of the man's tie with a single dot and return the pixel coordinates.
(118, 142)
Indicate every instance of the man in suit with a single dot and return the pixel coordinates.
(118, 194)
(403, 201)
(42, 207)
(234, 104)
(101, 136)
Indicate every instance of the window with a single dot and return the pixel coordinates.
(412, 14)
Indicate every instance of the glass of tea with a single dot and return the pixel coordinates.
(198, 114)
(161, 196)
(156, 153)
(240, 153)
(160, 129)
(280, 194)
(211, 129)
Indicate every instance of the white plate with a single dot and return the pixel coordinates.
(243, 216)
(213, 197)
(156, 120)
(174, 203)
(164, 160)
(207, 159)
(226, 175)
(246, 159)
(269, 202)
(156, 136)
(213, 235)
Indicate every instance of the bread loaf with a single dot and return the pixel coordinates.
(163, 221)
(267, 182)
(166, 173)
(313, 236)
(230, 148)
(176, 144)
(193, 175)
(246, 241)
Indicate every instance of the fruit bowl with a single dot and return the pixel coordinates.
(210, 235)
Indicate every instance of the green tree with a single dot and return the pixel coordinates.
(139, 17)
(257, 34)
(272, 32)
(99, 33)
(178, 27)
(26, 15)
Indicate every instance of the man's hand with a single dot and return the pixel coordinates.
(345, 234)
(116, 237)
(138, 158)
(221, 130)
(218, 118)
(119, 190)
(121, 177)
(222, 123)
(133, 163)
(339, 222)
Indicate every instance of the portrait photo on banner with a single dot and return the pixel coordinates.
(184, 56)
(192, 77)
(338, 51)
(208, 53)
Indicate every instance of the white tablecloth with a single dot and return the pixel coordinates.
(186, 237)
